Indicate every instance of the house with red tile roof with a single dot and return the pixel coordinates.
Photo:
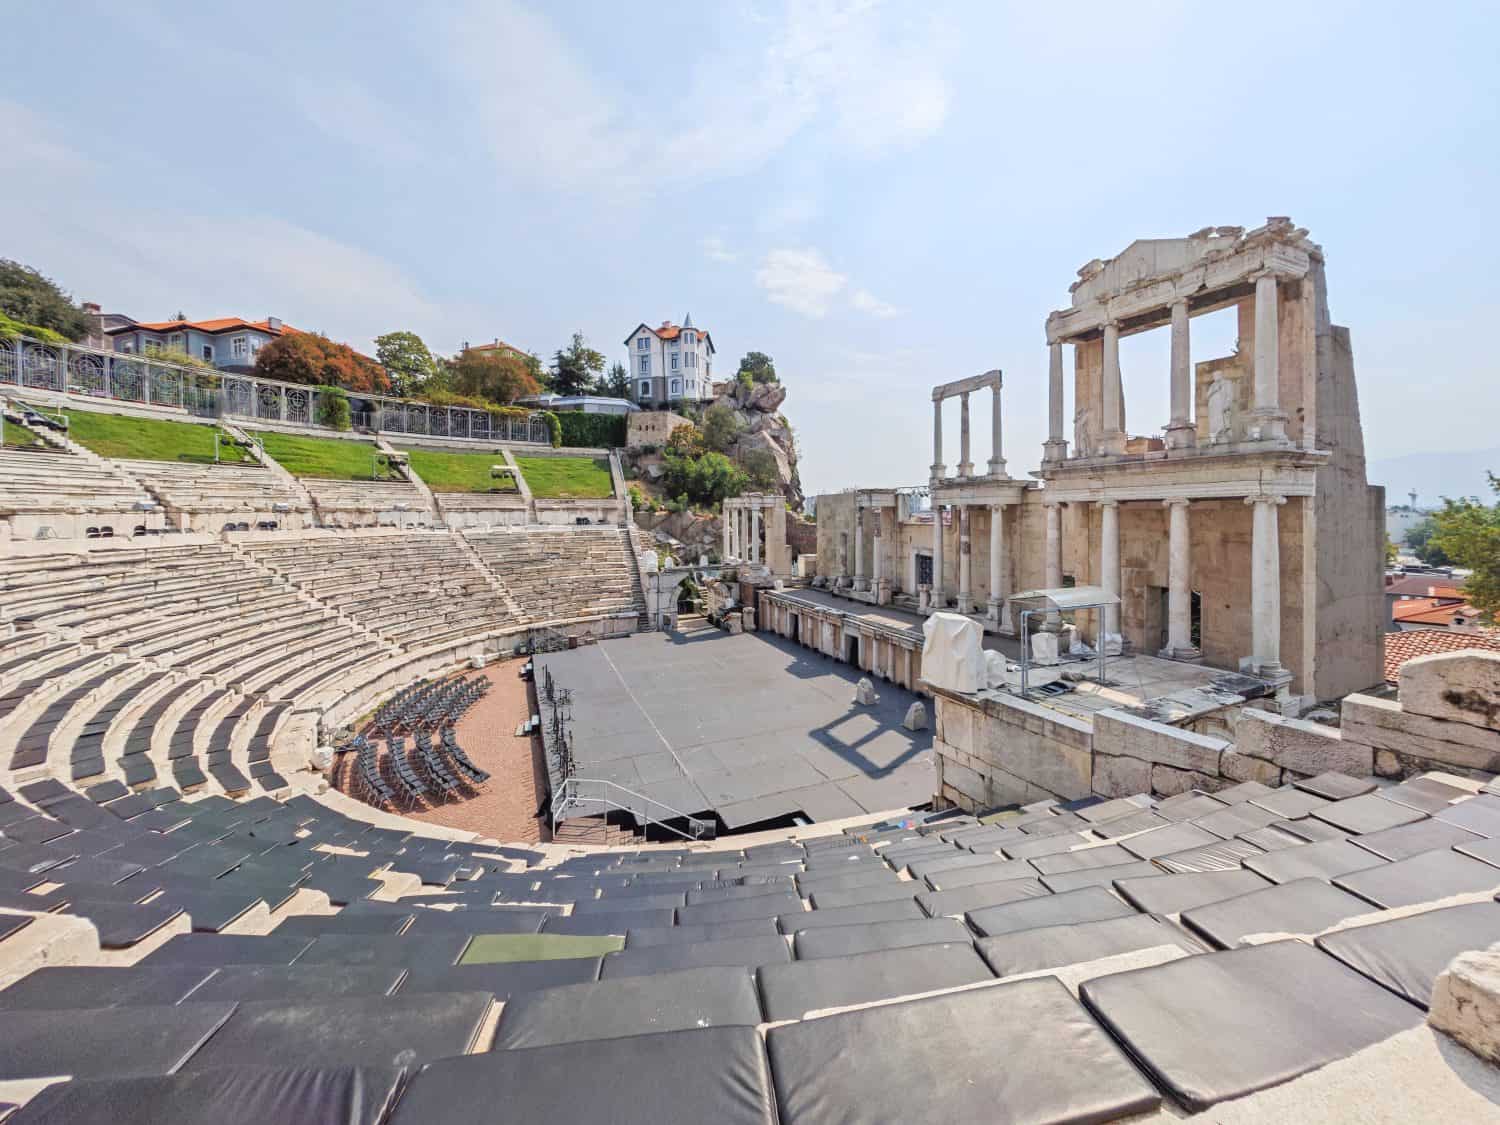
(230, 343)
(671, 364)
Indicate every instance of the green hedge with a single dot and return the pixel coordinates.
(592, 431)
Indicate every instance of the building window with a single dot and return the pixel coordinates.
(687, 337)
(125, 347)
(642, 343)
(645, 388)
(692, 385)
(674, 361)
(239, 347)
(208, 352)
(645, 365)
(175, 343)
(677, 386)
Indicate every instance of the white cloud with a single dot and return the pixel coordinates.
(878, 80)
(801, 280)
(348, 111)
(867, 302)
(715, 251)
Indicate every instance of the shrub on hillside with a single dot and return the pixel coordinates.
(313, 359)
(592, 431)
(707, 480)
(333, 408)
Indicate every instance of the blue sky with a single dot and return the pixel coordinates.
(881, 196)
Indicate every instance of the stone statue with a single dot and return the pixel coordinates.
(1081, 419)
(1220, 410)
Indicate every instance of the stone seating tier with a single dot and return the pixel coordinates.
(50, 481)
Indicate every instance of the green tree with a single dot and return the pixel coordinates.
(407, 360)
(575, 368)
(617, 383)
(499, 377)
(1419, 538)
(707, 480)
(1468, 532)
(721, 427)
(27, 296)
(758, 366)
(310, 357)
(760, 466)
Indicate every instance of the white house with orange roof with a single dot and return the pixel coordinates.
(670, 365)
(229, 343)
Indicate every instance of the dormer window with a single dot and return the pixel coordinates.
(642, 343)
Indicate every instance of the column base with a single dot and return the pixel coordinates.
(999, 615)
(1113, 644)
(966, 468)
(996, 466)
(938, 470)
(1112, 444)
(1055, 450)
(1266, 425)
(1181, 435)
(924, 599)
(1186, 653)
(965, 604)
(861, 583)
(883, 592)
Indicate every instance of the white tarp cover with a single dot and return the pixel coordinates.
(953, 653)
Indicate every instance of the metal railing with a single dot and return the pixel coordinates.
(27, 363)
(581, 796)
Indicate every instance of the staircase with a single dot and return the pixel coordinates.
(644, 623)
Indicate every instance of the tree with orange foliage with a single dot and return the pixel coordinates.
(312, 358)
(499, 376)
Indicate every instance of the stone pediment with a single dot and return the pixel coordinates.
(1150, 259)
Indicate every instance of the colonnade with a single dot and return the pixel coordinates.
(995, 606)
(741, 531)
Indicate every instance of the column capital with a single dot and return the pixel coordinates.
(1108, 502)
(1173, 501)
(1265, 498)
(1052, 503)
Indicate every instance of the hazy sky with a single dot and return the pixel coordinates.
(882, 197)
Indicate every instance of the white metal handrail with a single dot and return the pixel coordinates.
(572, 795)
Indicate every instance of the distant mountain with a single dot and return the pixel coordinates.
(1435, 475)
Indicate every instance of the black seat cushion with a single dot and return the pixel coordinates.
(715, 1074)
(1303, 906)
(296, 984)
(1422, 878)
(228, 1096)
(901, 1062)
(96, 986)
(1172, 894)
(106, 1042)
(841, 941)
(1051, 947)
(502, 979)
(746, 952)
(1222, 1025)
(1087, 905)
(1407, 954)
(790, 991)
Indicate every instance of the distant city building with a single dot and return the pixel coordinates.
(671, 364)
(229, 343)
(498, 346)
(102, 323)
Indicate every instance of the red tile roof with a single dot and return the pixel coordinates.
(1431, 611)
(1401, 647)
(496, 346)
(217, 324)
(1427, 586)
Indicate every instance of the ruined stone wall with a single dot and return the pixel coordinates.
(835, 518)
(652, 427)
(1446, 717)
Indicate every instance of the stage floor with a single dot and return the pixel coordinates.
(751, 727)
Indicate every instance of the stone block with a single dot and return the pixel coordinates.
(1385, 725)
(1387, 764)
(1121, 733)
(916, 717)
(748, 617)
(864, 692)
(1044, 649)
(1300, 746)
(1169, 782)
(1461, 687)
(1466, 1002)
(1242, 767)
(1120, 777)
(734, 623)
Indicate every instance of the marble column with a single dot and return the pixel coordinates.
(997, 457)
(1109, 571)
(998, 612)
(725, 519)
(1180, 432)
(877, 566)
(1265, 584)
(755, 535)
(1267, 420)
(965, 466)
(1179, 584)
(860, 583)
(938, 468)
(1052, 560)
(1111, 437)
(938, 601)
(965, 562)
(1056, 447)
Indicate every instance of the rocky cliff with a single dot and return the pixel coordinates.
(758, 408)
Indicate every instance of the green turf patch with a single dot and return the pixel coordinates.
(331, 458)
(487, 949)
(567, 478)
(19, 437)
(460, 472)
(149, 439)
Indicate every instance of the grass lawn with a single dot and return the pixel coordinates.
(19, 436)
(459, 472)
(332, 458)
(567, 478)
(149, 439)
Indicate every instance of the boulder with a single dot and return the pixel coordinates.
(1466, 1002)
(767, 397)
(916, 717)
